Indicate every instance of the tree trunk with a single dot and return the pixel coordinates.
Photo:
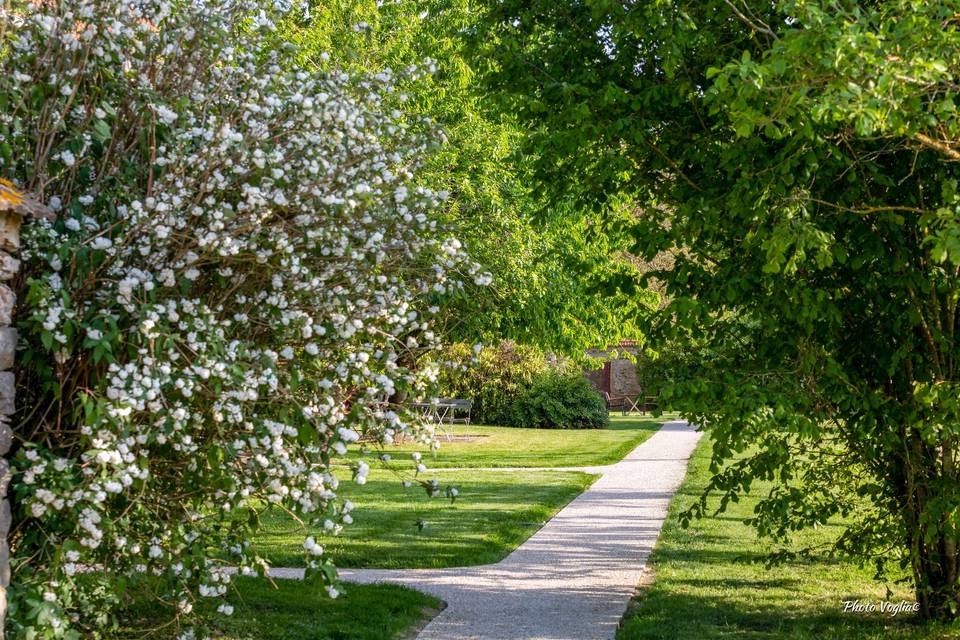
(933, 539)
(937, 594)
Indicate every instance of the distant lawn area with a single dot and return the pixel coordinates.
(397, 527)
(514, 447)
(705, 586)
(292, 611)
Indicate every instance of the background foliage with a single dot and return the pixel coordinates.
(558, 278)
(521, 386)
(493, 378)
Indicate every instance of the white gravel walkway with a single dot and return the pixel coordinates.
(573, 579)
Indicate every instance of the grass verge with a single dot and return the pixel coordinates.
(397, 527)
(295, 611)
(709, 584)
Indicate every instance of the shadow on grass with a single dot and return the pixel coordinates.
(712, 582)
(674, 614)
(738, 556)
(290, 610)
(396, 527)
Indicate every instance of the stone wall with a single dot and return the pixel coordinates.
(618, 374)
(623, 378)
(9, 265)
(14, 205)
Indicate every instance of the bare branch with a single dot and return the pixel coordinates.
(937, 145)
(753, 25)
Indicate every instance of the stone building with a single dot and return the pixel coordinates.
(617, 375)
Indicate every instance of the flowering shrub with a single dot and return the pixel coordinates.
(493, 377)
(241, 272)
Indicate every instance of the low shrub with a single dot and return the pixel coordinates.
(560, 400)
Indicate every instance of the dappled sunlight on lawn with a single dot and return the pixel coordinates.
(515, 447)
(403, 527)
(711, 582)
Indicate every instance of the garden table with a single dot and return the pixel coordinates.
(634, 403)
(445, 410)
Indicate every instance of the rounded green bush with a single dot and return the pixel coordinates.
(560, 401)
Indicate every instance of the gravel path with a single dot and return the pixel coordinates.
(573, 579)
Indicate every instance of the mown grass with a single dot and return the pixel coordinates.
(709, 583)
(515, 447)
(292, 610)
(397, 527)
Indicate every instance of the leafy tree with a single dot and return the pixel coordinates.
(552, 276)
(799, 159)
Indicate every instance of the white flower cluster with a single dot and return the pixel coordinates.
(212, 318)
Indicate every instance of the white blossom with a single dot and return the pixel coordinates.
(262, 278)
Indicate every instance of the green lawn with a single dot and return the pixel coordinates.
(705, 586)
(294, 611)
(514, 447)
(397, 527)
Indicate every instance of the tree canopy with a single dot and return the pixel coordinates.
(799, 160)
(553, 280)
